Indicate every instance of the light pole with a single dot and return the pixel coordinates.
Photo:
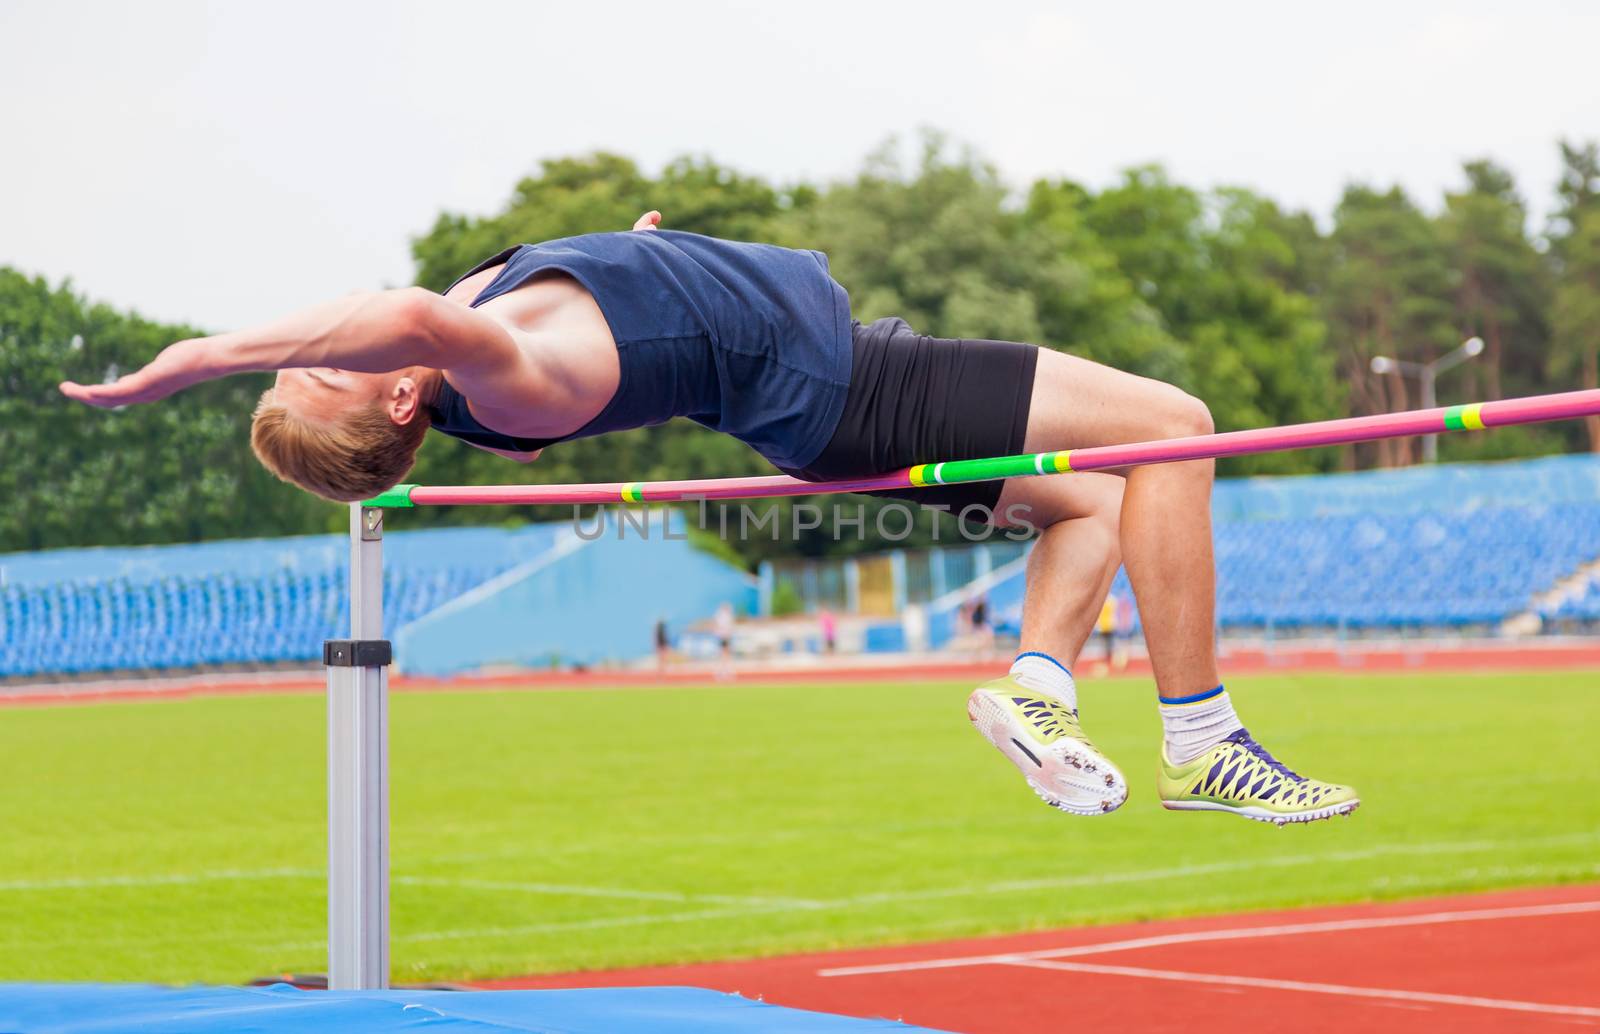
(1426, 374)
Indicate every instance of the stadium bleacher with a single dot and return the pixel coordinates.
(1428, 569)
(251, 602)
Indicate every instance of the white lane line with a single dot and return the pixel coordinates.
(554, 889)
(857, 901)
(209, 876)
(1314, 988)
(573, 890)
(162, 879)
(895, 897)
(1203, 869)
(602, 923)
(1474, 872)
(849, 903)
(1004, 886)
(1237, 933)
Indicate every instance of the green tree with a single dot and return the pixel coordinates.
(1223, 276)
(1095, 309)
(175, 472)
(1575, 253)
(934, 246)
(1260, 342)
(1500, 290)
(1389, 293)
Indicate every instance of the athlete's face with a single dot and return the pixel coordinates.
(324, 392)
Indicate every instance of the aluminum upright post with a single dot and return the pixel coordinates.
(1430, 399)
(358, 772)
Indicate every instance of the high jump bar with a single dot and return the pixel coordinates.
(1474, 416)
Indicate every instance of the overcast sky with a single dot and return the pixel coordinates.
(220, 163)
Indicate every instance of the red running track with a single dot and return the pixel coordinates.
(1506, 961)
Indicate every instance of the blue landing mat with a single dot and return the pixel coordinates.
(102, 1008)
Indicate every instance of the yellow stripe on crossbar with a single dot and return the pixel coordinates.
(919, 475)
(1062, 461)
(1472, 417)
(632, 492)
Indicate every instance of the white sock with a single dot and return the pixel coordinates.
(1194, 724)
(1042, 673)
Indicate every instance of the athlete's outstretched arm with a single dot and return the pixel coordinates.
(369, 333)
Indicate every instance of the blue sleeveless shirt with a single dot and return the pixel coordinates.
(749, 339)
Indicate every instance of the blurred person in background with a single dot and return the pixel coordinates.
(722, 627)
(663, 645)
(1104, 623)
(982, 630)
(1122, 632)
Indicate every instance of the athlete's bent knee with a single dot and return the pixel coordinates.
(1108, 514)
(1184, 415)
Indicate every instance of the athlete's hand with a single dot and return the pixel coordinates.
(649, 221)
(176, 367)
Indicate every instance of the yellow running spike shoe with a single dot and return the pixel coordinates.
(1239, 776)
(1041, 736)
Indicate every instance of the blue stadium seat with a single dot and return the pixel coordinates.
(253, 602)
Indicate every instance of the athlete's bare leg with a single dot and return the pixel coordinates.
(1164, 530)
(1030, 715)
(1073, 562)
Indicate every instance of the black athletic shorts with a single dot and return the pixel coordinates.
(917, 399)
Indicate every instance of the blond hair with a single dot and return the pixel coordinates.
(352, 458)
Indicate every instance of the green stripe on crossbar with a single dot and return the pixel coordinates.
(958, 472)
(398, 497)
(1464, 418)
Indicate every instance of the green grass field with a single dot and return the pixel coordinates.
(183, 840)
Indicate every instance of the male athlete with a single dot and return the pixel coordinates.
(548, 342)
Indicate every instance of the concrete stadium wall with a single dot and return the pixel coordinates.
(584, 601)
